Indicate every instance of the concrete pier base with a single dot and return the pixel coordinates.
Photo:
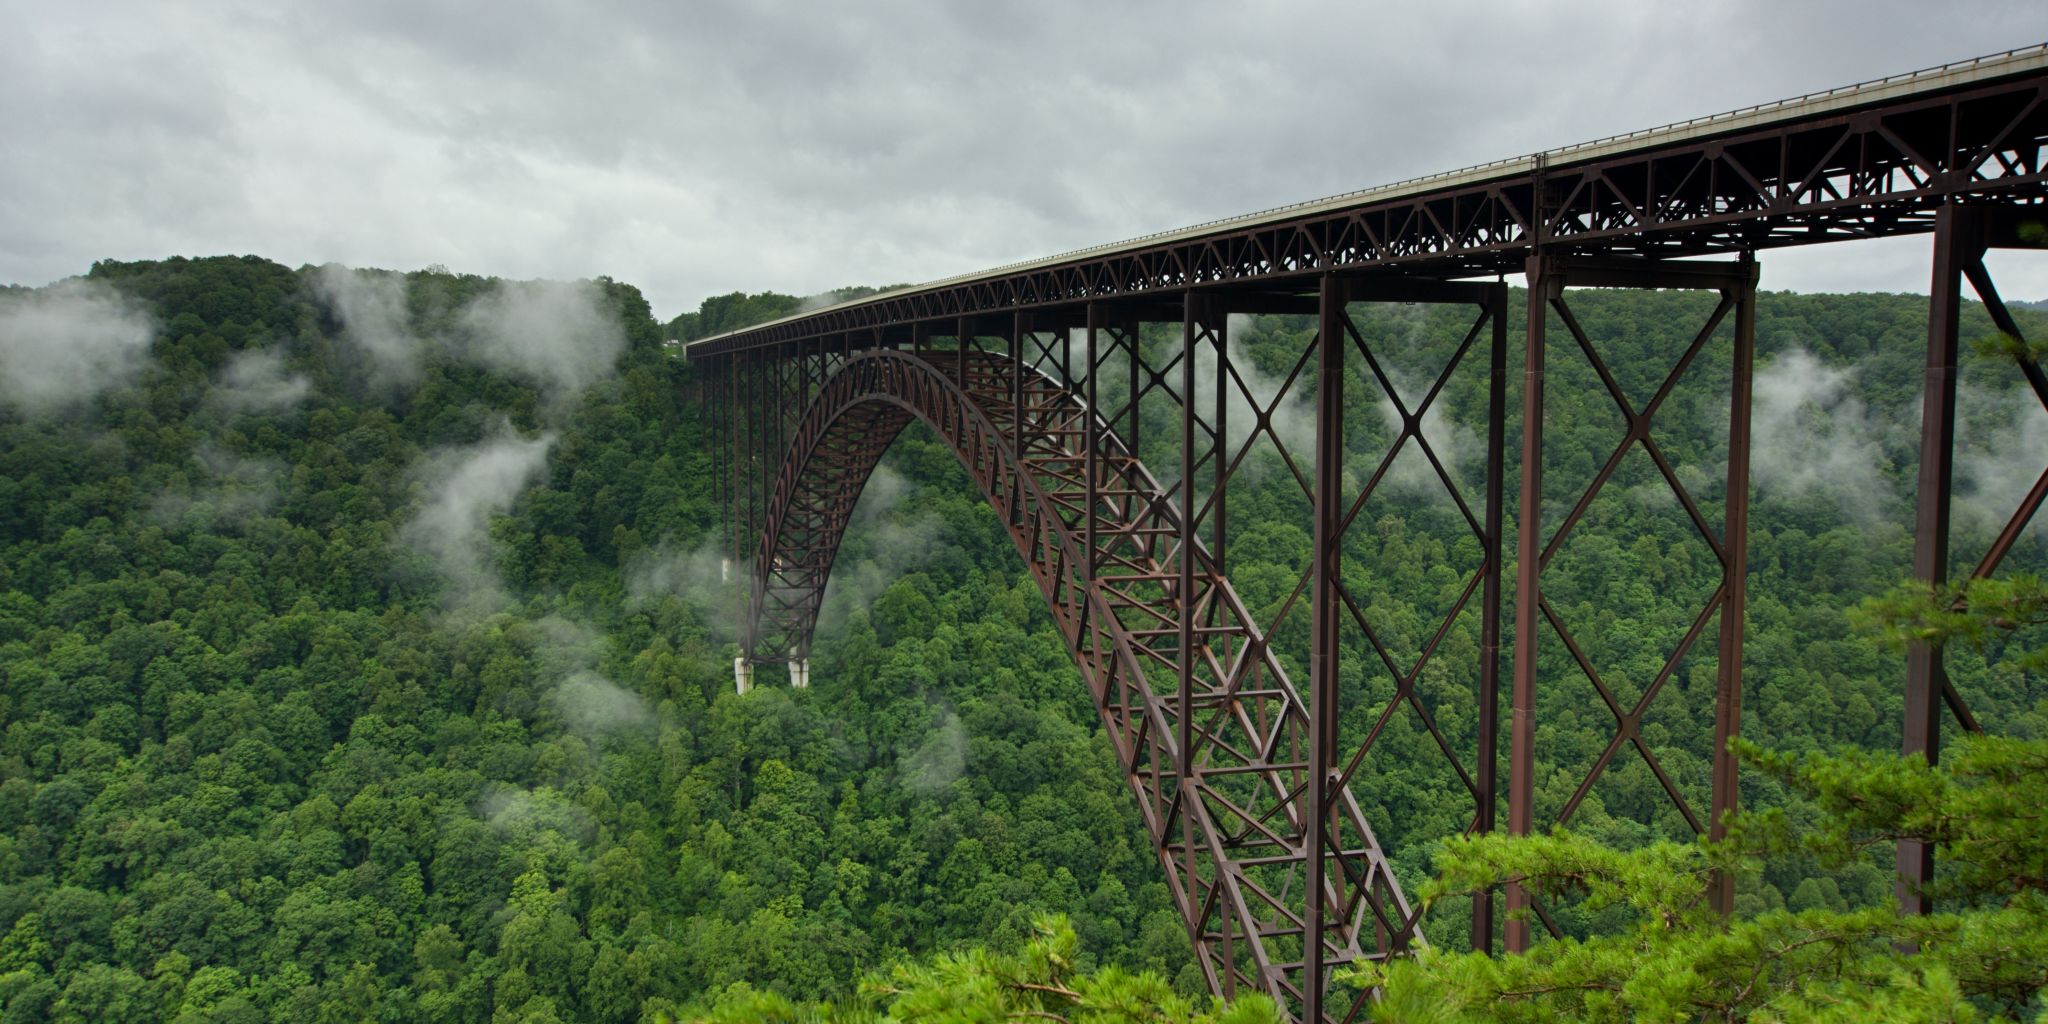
(742, 674)
(725, 570)
(800, 673)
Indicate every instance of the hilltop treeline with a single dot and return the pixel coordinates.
(730, 312)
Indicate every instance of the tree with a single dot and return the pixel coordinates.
(1039, 982)
(1678, 960)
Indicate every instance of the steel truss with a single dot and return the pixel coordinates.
(1051, 382)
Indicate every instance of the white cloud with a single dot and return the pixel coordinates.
(560, 334)
(2001, 449)
(467, 486)
(227, 491)
(591, 704)
(1811, 434)
(256, 380)
(595, 704)
(704, 578)
(372, 309)
(938, 759)
(66, 343)
(527, 814)
(884, 542)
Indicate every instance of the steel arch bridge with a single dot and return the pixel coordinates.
(1047, 379)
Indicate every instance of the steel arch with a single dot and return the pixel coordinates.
(1217, 758)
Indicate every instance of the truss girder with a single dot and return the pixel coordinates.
(1882, 170)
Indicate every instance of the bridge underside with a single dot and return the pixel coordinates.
(1244, 732)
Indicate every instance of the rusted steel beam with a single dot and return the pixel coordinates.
(1323, 628)
(1486, 782)
(1963, 235)
(1184, 589)
(1543, 287)
(1735, 576)
(1958, 242)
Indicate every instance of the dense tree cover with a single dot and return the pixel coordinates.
(274, 748)
(295, 732)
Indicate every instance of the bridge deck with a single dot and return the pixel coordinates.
(1857, 161)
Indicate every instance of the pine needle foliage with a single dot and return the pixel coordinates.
(1041, 982)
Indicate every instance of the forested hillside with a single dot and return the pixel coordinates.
(361, 660)
(364, 653)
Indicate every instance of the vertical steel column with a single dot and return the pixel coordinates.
(1194, 316)
(1735, 607)
(1067, 355)
(1135, 340)
(1323, 629)
(1219, 496)
(1092, 460)
(709, 426)
(960, 336)
(749, 406)
(1543, 286)
(1486, 779)
(735, 408)
(1184, 597)
(1727, 791)
(1016, 341)
(773, 389)
(1956, 245)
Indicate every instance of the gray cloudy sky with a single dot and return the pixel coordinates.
(693, 148)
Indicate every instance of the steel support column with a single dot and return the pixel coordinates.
(1486, 772)
(1734, 610)
(1092, 429)
(1015, 350)
(1325, 608)
(1963, 235)
(1544, 286)
(1956, 243)
(1184, 590)
(1219, 427)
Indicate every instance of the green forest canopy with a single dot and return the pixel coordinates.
(365, 656)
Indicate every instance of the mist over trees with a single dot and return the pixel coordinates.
(364, 653)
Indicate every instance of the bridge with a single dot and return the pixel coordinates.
(1049, 378)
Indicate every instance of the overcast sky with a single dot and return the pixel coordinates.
(695, 148)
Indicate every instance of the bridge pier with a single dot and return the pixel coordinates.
(742, 674)
(1963, 235)
(1549, 277)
